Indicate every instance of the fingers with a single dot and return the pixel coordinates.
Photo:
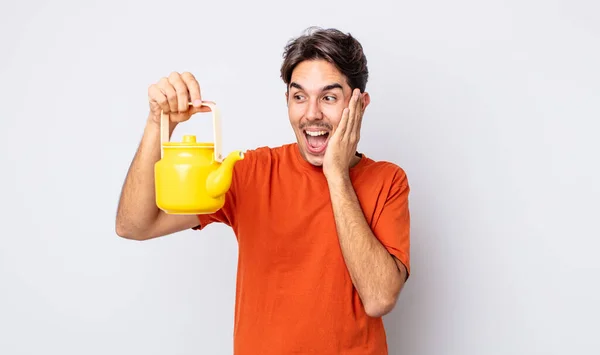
(170, 93)
(346, 122)
(173, 95)
(182, 92)
(353, 115)
(358, 115)
(343, 125)
(176, 91)
(193, 88)
(201, 108)
(158, 99)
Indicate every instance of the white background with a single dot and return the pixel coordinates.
(491, 107)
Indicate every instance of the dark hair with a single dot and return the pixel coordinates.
(332, 45)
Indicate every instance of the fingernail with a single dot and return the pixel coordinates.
(197, 103)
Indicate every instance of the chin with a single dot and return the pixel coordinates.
(316, 161)
(311, 158)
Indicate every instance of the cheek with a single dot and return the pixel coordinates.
(294, 114)
(333, 114)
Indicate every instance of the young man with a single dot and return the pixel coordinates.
(323, 231)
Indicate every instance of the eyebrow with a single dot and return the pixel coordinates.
(325, 88)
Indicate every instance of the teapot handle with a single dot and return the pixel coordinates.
(165, 125)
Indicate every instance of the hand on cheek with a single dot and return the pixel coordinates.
(342, 144)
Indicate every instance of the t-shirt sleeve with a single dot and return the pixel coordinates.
(392, 227)
(227, 214)
(224, 215)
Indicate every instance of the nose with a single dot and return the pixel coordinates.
(313, 110)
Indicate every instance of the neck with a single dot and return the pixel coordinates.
(355, 159)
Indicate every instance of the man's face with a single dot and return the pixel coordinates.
(318, 93)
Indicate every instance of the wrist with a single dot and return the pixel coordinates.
(338, 178)
(153, 123)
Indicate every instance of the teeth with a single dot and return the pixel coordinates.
(315, 134)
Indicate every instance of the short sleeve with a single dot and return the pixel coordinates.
(392, 226)
(227, 214)
(224, 215)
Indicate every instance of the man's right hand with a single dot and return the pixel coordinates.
(173, 95)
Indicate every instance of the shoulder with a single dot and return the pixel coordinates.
(257, 154)
(386, 171)
(262, 157)
(264, 154)
(387, 182)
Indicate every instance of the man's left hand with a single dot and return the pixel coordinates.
(342, 144)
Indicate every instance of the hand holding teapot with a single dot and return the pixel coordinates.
(191, 177)
(173, 94)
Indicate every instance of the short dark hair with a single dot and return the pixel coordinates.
(332, 45)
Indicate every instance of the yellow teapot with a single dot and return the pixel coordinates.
(192, 177)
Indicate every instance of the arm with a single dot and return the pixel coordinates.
(138, 217)
(377, 275)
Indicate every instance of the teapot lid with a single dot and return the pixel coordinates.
(189, 141)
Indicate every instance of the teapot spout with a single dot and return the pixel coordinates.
(219, 181)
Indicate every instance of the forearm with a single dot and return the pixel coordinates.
(137, 208)
(372, 268)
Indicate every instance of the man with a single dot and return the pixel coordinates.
(323, 231)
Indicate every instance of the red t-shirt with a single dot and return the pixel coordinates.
(294, 294)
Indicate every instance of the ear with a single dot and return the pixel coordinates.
(367, 100)
(287, 98)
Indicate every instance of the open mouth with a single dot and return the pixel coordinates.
(316, 141)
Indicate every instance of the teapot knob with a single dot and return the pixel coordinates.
(189, 139)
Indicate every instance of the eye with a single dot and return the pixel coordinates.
(298, 97)
(329, 98)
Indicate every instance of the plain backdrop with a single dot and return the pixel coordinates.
(491, 107)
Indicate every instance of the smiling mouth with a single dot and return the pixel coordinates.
(316, 141)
